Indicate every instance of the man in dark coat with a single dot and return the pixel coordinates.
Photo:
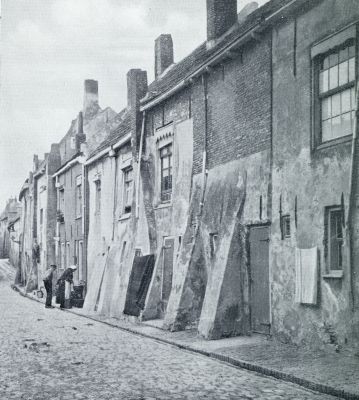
(49, 274)
(65, 281)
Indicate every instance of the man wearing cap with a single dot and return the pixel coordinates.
(49, 274)
(65, 282)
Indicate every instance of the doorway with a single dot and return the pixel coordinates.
(259, 279)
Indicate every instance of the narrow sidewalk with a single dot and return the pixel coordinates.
(331, 373)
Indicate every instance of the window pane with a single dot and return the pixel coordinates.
(346, 101)
(353, 118)
(336, 127)
(346, 124)
(326, 130)
(343, 54)
(336, 104)
(326, 108)
(333, 77)
(343, 73)
(352, 92)
(325, 63)
(351, 51)
(323, 81)
(351, 69)
(165, 162)
(333, 59)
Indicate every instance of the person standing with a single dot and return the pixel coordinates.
(49, 274)
(65, 282)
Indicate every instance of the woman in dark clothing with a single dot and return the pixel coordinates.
(65, 280)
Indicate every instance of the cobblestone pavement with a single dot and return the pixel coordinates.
(52, 354)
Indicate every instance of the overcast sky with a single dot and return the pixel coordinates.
(49, 47)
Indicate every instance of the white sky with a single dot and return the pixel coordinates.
(49, 47)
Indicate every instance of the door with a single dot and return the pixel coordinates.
(259, 273)
(167, 272)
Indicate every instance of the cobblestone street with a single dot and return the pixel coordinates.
(51, 354)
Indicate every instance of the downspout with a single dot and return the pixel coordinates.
(115, 190)
(139, 164)
(85, 221)
(204, 162)
(353, 176)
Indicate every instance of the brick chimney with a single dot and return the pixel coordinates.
(80, 136)
(163, 53)
(221, 15)
(90, 97)
(136, 88)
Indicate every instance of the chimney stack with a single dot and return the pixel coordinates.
(221, 15)
(90, 96)
(163, 53)
(136, 88)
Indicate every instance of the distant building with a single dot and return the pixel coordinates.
(11, 212)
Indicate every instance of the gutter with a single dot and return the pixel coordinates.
(103, 152)
(76, 160)
(250, 34)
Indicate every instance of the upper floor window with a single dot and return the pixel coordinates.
(97, 196)
(166, 172)
(78, 199)
(337, 92)
(127, 189)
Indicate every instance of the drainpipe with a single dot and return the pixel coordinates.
(204, 163)
(352, 186)
(85, 220)
(139, 164)
(115, 189)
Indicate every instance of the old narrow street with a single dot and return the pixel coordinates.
(50, 354)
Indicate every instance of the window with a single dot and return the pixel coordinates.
(68, 260)
(61, 205)
(98, 196)
(285, 221)
(127, 189)
(166, 172)
(62, 256)
(336, 92)
(78, 198)
(213, 242)
(334, 238)
(41, 216)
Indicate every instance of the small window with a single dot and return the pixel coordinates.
(213, 242)
(285, 226)
(61, 205)
(334, 239)
(166, 173)
(41, 216)
(98, 196)
(138, 253)
(78, 199)
(336, 75)
(127, 189)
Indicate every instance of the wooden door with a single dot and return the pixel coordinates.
(259, 273)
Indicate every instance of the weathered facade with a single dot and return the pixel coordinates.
(10, 213)
(15, 236)
(86, 132)
(313, 123)
(226, 199)
(112, 172)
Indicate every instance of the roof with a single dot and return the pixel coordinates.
(120, 131)
(186, 67)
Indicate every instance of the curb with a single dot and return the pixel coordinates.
(234, 362)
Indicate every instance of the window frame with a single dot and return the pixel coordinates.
(78, 197)
(286, 223)
(329, 211)
(127, 208)
(318, 97)
(166, 195)
(98, 193)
